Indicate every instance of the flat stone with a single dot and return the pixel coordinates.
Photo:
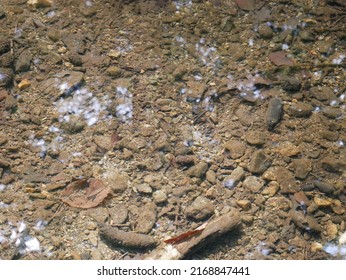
(253, 183)
(332, 112)
(244, 204)
(305, 222)
(116, 180)
(288, 149)
(332, 164)
(255, 137)
(322, 202)
(330, 135)
(160, 196)
(118, 214)
(146, 219)
(211, 176)
(198, 170)
(144, 188)
(4, 163)
(302, 167)
(235, 148)
(23, 61)
(99, 214)
(259, 162)
(104, 142)
(300, 110)
(200, 208)
(324, 187)
(322, 93)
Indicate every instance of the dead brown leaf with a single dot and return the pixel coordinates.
(247, 5)
(85, 193)
(279, 58)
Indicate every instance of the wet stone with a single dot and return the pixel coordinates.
(159, 196)
(330, 135)
(200, 208)
(23, 62)
(302, 167)
(322, 93)
(324, 187)
(255, 137)
(265, 31)
(274, 113)
(116, 180)
(259, 162)
(332, 112)
(53, 34)
(118, 214)
(144, 188)
(300, 110)
(305, 222)
(198, 170)
(235, 148)
(253, 184)
(146, 218)
(236, 176)
(211, 176)
(333, 164)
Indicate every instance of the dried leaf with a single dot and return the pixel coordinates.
(185, 235)
(247, 5)
(85, 194)
(279, 58)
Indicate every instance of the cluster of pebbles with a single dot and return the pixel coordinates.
(6, 62)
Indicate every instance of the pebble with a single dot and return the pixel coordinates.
(118, 213)
(144, 188)
(99, 214)
(235, 148)
(316, 247)
(332, 164)
(23, 62)
(211, 176)
(259, 163)
(199, 170)
(274, 113)
(305, 222)
(25, 83)
(200, 208)
(301, 167)
(288, 149)
(324, 187)
(114, 71)
(116, 180)
(253, 183)
(284, 177)
(265, 31)
(244, 204)
(255, 137)
(146, 218)
(322, 202)
(330, 135)
(244, 115)
(322, 93)
(271, 189)
(300, 110)
(160, 196)
(332, 112)
(54, 34)
(236, 176)
(331, 230)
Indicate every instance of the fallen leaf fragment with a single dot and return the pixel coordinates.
(279, 58)
(247, 5)
(85, 193)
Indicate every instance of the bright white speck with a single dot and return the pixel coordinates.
(251, 42)
(2, 77)
(40, 225)
(21, 227)
(317, 109)
(2, 239)
(284, 47)
(51, 14)
(13, 234)
(2, 187)
(339, 59)
(88, 3)
(333, 103)
(342, 97)
(229, 183)
(32, 244)
(341, 143)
